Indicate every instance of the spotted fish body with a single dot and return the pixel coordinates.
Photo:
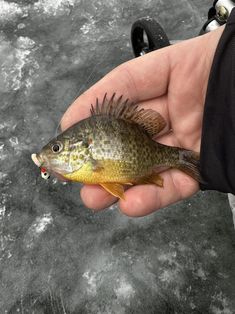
(117, 150)
(115, 147)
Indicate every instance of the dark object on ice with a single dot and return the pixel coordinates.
(217, 15)
(148, 35)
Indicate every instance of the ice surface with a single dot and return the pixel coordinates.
(231, 198)
(9, 11)
(56, 256)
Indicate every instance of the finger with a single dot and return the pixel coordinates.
(168, 139)
(140, 79)
(144, 199)
(96, 198)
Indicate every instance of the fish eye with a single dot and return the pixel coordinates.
(57, 147)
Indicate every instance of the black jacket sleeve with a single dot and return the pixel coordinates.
(217, 159)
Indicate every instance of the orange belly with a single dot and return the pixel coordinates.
(104, 171)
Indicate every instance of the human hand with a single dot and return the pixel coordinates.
(172, 81)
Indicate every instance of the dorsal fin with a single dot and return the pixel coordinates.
(151, 121)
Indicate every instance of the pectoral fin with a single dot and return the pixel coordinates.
(96, 165)
(115, 189)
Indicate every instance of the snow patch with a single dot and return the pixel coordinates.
(25, 43)
(21, 26)
(9, 11)
(88, 26)
(17, 64)
(2, 176)
(169, 275)
(2, 212)
(98, 273)
(3, 154)
(211, 252)
(200, 273)
(54, 7)
(39, 226)
(124, 289)
(169, 257)
(172, 269)
(91, 281)
(5, 239)
(14, 141)
(220, 304)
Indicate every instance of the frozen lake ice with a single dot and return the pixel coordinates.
(56, 256)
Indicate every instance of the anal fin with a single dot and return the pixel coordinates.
(116, 189)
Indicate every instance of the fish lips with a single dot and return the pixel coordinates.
(41, 161)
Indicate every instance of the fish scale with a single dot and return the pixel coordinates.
(132, 145)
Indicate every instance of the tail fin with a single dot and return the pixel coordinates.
(189, 163)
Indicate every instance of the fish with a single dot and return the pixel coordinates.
(115, 147)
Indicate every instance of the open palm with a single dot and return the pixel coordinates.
(172, 81)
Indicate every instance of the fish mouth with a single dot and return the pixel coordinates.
(37, 159)
(40, 161)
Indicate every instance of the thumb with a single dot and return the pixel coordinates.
(139, 79)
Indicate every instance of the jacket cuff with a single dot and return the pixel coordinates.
(217, 157)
